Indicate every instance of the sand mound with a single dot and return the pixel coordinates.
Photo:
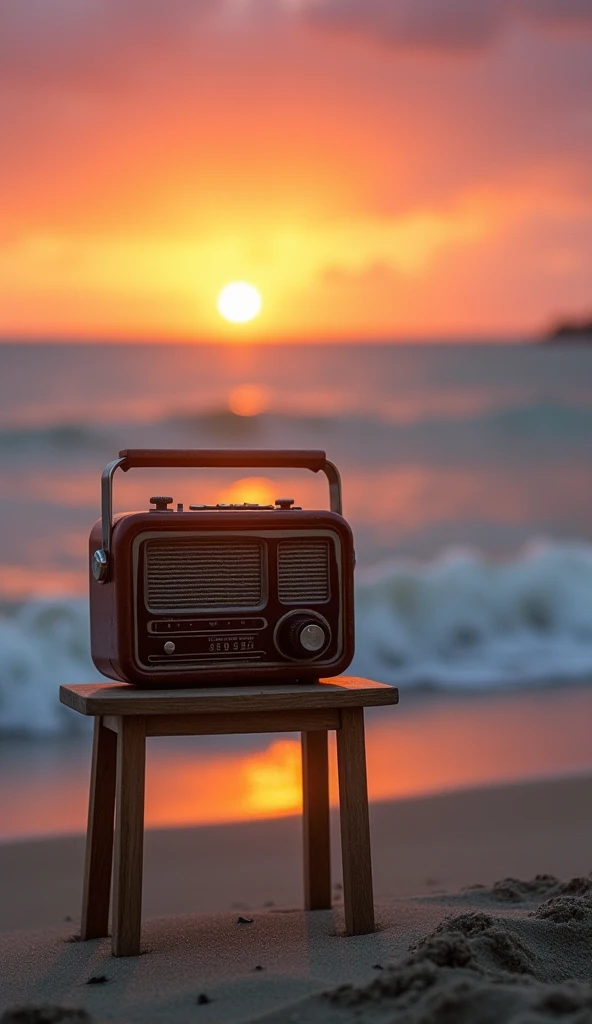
(567, 910)
(484, 968)
(515, 890)
(435, 996)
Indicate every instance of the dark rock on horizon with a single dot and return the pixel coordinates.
(573, 332)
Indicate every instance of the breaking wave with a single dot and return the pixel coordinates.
(458, 622)
(465, 622)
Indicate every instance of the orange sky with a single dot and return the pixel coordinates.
(377, 168)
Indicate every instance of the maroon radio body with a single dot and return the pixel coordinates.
(224, 594)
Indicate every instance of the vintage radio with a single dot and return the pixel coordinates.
(222, 594)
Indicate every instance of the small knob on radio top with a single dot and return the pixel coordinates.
(284, 502)
(161, 504)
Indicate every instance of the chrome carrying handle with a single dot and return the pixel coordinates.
(153, 458)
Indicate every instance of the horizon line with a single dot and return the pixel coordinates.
(526, 338)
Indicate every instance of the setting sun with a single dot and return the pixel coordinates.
(239, 302)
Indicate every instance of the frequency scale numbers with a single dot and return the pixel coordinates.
(230, 644)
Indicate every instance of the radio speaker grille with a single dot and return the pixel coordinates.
(193, 574)
(303, 571)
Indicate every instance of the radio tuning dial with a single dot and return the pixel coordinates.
(312, 637)
(161, 504)
(303, 635)
(284, 503)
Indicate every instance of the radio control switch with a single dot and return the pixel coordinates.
(161, 504)
(284, 503)
(302, 635)
(312, 637)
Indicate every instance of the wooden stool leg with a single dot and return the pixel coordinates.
(355, 826)
(315, 810)
(99, 835)
(129, 835)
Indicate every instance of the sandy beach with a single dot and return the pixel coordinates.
(199, 881)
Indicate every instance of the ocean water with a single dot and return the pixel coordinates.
(467, 480)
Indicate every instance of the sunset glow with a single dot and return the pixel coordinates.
(378, 171)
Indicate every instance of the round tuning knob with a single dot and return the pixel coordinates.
(302, 635)
(160, 503)
(311, 637)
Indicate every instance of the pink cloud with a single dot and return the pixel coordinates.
(88, 41)
(453, 26)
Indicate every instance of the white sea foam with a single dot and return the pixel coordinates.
(458, 622)
(42, 645)
(465, 622)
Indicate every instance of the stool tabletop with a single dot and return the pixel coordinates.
(123, 699)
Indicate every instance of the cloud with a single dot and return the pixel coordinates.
(454, 26)
(67, 40)
(558, 12)
(414, 24)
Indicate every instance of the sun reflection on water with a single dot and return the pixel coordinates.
(274, 779)
(248, 399)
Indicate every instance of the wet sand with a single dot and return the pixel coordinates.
(430, 743)
(427, 845)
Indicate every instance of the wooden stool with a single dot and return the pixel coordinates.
(124, 717)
